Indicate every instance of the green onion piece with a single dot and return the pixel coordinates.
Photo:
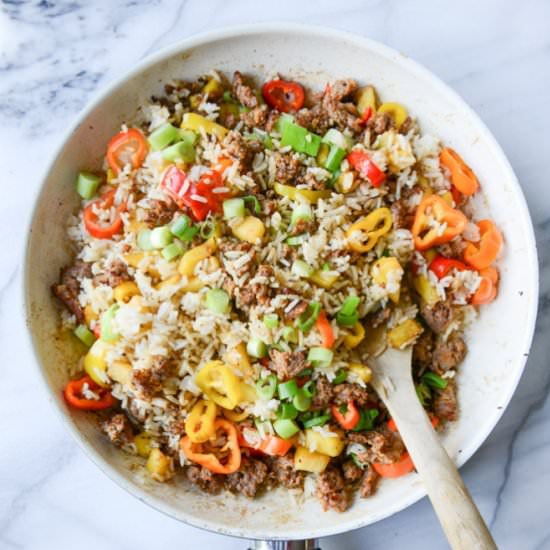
(357, 462)
(227, 97)
(144, 240)
(300, 139)
(87, 184)
(301, 212)
(271, 320)
(208, 228)
(423, 392)
(282, 122)
(188, 234)
(188, 136)
(297, 240)
(347, 315)
(107, 332)
(164, 135)
(434, 381)
(366, 419)
(285, 428)
(289, 334)
(309, 317)
(337, 138)
(341, 377)
(172, 251)
(301, 401)
(256, 348)
(217, 300)
(309, 387)
(233, 208)
(301, 269)
(334, 158)
(264, 427)
(319, 356)
(180, 225)
(347, 320)
(287, 410)
(316, 421)
(325, 267)
(266, 387)
(181, 151)
(85, 335)
(161, 237)
(287, 390)
(255, 202)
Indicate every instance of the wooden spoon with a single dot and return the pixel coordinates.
(457, 512)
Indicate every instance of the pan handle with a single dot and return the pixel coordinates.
(309, 544)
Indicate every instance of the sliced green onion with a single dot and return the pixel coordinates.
(208, 228)
(218, 301)
(233, 208)
(163, 136)
(264, 427)
(255, 202)
(347, 320)
(334, 158)
(309, 317)
(256, 348)
(172, 251)
(301, 269)
(300, 139)
(316, 421)
(227, 97)
(87, 184)
(161, 237)
(271, 320)
(287, 390)
(266, 387)
(347, 315)
(286, 428)
(85, 335)
(282, 122)
(144, 240)
(309, 387)
(180, 225)
(188, 136)
(188, 234)
(366, 419)
(289, 334)
(287, 410)
(325, 267)
(301, 212)
(423, 392)
(341, 377)
(301, 401)
(107, 332)
(434, 381)
(297, 239)
(181, 151)
(335, 137)
(319, 356)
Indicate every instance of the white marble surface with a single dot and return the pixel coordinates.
(55, 54)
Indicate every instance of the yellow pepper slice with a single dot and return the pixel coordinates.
(373, 226)
(308, 461)
(238, 357)
(396, 111)
(124, 291)
(235, 416)
(95, 364)
(133, 259)
(220, 384)
(426, 290)
(199, 424)
(250, 229)
(388, 272)
(362, 371)
(307, 195)
(356, 337)
(324, 279)
(330, 446)
(192, 257)
(192, 121)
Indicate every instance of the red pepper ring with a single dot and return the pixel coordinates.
(130, 146)
(73, 395)
(349, 418)
(94, 227)
(283, 95)
(361, 162)
(442, 266)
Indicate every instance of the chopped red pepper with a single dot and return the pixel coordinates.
(73, 395)
(325, 328)
(397, 469)
(441, 266)
(97, 229)
(349, 418)
(269, 445)
(200, 197)
(365, 117)
(457, 195)
(361, 162)
(283, 95)
(130, 146)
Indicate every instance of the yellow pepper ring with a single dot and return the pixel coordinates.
(199, 424)
(357, 335)
(220, 384)
(373, 226)
(235, 416)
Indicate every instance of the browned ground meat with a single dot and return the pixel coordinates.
(244, 92)
(423, 348)
(439, 316)
(241, 149)
(256, 118)
(282, 472)
(205, 479)
(314, 119)
(309, 181)
(342, 89)
(248, 479)
(296, 311)
(287, 364)
(160, 212)
(447, 355)
(68, 288)
(303, 226)
(116, 274)
(402, 215)
(380, 123)
(272, 119)
(332, 491)
(286, 167)
(382, 445)
(346, 392)
(323, 394)
(445, 403)
(149, 381)
(369, 482)
(406, 126)
(452, 249)
(351, 471)
(118, 429)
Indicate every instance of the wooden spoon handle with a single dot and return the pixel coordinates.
(457, 512)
